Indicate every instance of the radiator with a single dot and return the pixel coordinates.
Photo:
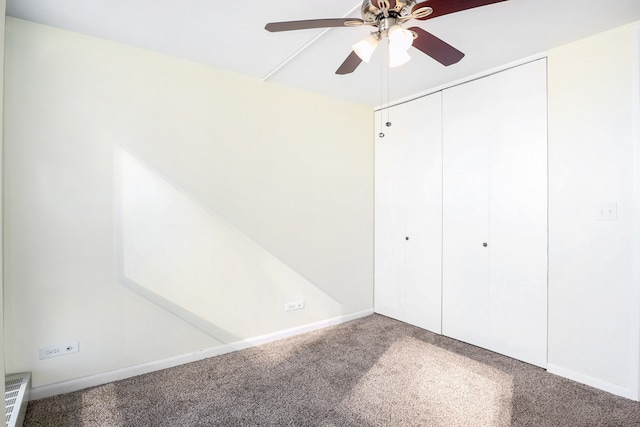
(16, 397)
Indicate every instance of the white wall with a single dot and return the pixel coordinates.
(3, 5)
(636, 171)
(594, 306)
(135, 181)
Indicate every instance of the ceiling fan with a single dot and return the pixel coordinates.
(387, 16)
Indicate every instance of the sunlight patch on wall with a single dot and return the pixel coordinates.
(180, 255)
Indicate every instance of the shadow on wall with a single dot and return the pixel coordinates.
(178, 254)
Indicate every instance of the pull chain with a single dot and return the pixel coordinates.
(388, 84)
(388, 88)
(381, 134)
(388, 72)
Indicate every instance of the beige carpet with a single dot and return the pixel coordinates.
(373, 371)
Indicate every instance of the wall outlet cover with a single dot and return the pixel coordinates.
(295, 305)
(59, 350)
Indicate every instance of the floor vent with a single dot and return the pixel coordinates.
(16, 397)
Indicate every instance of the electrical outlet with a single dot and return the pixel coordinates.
(59, 350)
(296, 305)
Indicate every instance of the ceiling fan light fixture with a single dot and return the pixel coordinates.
(400, 39)
(365, 47)
(398, 58)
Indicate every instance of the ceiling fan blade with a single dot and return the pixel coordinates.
(438, 49)
(313, 23)
(350, 64)
(445, 7)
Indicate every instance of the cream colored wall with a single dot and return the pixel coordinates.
(594, 309)
(135, 181)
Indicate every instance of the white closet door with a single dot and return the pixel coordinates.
(495, 192)
(408, 194)
(465, 262)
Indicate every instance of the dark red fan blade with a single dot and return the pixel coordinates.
(350, 64)
(312, 23)
(439, 50)
(445, 7)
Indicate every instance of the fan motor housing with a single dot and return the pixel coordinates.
(374, 10)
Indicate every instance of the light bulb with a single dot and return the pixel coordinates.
(365, 47)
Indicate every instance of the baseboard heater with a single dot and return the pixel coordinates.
(16, 397)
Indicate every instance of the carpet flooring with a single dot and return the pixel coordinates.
(373, 371)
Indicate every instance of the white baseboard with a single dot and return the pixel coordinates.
(593, 382)
(69, 386)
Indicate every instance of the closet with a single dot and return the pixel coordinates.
(462, 174)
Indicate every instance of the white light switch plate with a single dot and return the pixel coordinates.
(607, 211)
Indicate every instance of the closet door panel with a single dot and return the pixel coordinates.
(409, 213)
(498, 122)
(424, 213)
(518, 221)
(465, 268)
(390, 248)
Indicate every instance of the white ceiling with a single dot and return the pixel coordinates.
(232, 37)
